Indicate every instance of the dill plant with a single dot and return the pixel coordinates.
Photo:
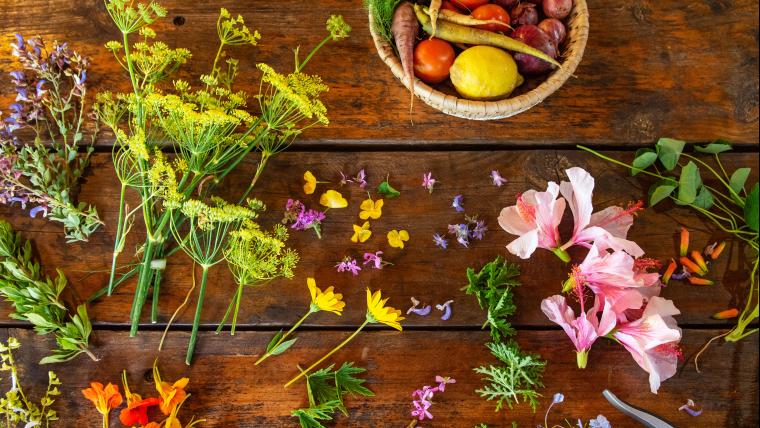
(208, 132)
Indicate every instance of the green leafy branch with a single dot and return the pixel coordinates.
(36, 298)
(493, 286)
(729, 205)
(516, 380)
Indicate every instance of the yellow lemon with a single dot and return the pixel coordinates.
(485, 73)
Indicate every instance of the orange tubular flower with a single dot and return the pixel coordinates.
(700, 281)
(104, 399)
(684, 242)
(669, 271)
(719, 249)
(693, 267)
(136, 412)
(727, 314)
(697, 256)
(172, 395)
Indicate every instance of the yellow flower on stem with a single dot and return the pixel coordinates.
(104, 399)
(377, 312)
(320, 301)
(361, 233)
(333, 199)
(311, 182)
(371, 209)
(172, 394)
(396, 238)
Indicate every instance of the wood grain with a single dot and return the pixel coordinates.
(686, 70)
(421, 270)
(229, 391)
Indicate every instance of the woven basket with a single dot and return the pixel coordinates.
(572, 50)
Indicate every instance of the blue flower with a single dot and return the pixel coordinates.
(599, 422)
(457, 203)
(558, 398)
(440, 241)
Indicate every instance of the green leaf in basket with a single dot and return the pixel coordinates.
(669, 151)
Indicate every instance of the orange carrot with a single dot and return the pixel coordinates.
(700, 281)
(404, 29)
(435, 7)
(727, 314)
(669, 271)
(684, 242)
(691, 266)
(697, 257)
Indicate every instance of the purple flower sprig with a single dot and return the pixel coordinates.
(416, 309)
(375, 260)
(303, 218)
(463, 233)
(428, 182)
(497, 179)
(422, 399)
(360, 179)
(348, 264)
(457, 203)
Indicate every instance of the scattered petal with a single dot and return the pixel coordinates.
(333, 199)
(361, 233)
(669, 271)
(691, 266)
(457, 203)
(715, 250)
(697, 257)
(396, 238)
(497, 179)
(446, 308)
(691, 408)
(310, 182)
(440, 241)
(558, 398)
(371, 209)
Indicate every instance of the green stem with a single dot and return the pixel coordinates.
(749, 314)
(301, 65)
(259, 170)
(283, 337)
(154, 299)
(715, 173)
(197, 318)
(238, 298)
(119, 244)
(334, 350)
(142, 288)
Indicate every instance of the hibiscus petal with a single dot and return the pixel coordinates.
(511, 221)
(579, 193)
(525, 245)
(613, 220)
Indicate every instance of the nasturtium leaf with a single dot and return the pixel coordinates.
(738, 178)
(282, 347)
(661, 190)
(643, 160)
(668, 152)
(704, 199)
(751, 207)
(717, 146)
(387, 190)
(689, 183)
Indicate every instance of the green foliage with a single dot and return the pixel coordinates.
(706, 186)
(36, 298)
(326, 388)
(15, 406)
(387, 190)
(516, 380)
(382, 11)
(493, 287)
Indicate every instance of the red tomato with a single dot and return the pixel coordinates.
(492, 12)
(432, 60)
(450, 6)
(469, 4)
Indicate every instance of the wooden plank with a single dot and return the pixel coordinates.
(229, 391)
(421, 270)
(687, 70)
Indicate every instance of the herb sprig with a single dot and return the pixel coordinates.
(326, 388)
(36, 298)
(493, 286)
(15, 406)
(516, 380)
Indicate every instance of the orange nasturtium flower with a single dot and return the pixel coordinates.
(136, 412)
(310, 182)
(172, 395)
(105, 398)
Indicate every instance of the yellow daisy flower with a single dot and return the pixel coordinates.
(361, 233)
(371, 209)
(333, 199)
(325, 300)
(311, 182)
(396, 238)
(378, 312)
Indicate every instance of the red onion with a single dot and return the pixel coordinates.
(506, 4)
(535, 37)
(555, 29)
(557, 8)
(524, 14)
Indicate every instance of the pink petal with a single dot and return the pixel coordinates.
(556, 309)
(579, 192)
(511, 221)
(614, 220)
(525, 245)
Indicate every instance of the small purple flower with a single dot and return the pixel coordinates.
(361, 179)
(19, 41)
(446, 308)
(440, 241)
(375, 258)
(428, 182)
(348, 264)
(443, 381)
(682, 275)
(415, 309)
(457, 203)
(558, 398)
(479, 230)
(424, 397)
(599, 422)
(691, 408)
(39, 208)
(498, 180)
(461, 232)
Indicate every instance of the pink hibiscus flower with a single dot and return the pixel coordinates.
(535, 219)
(607, 228)
(586, 328)
(653, 340)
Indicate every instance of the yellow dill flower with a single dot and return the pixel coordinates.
(396, 238)
(378, 312)
(361, 233)
(371, 209)
(298, 89)
(311, 182)
(325, 300)
(337, 27)
(233, 31)
(333, 199)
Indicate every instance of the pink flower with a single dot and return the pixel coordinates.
(535, 219)
(607, 228)
(614, 277)
(583, 330)
(653, 340)
(428, 182)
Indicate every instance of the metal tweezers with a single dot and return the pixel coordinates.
(645, 418)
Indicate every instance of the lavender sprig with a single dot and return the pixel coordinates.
(50, 101)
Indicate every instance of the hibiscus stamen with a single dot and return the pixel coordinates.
(645, 264)
(526, 210)
(632, 209)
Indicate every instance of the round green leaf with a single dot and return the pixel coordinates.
(643, 160)
(661, 190)
(668, 151)
(704, 199)
(738, 178)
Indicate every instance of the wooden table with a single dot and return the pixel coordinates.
(682, 69)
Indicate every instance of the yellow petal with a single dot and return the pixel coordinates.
(333, 199)
(396, 238)
(312, 288)
(311, 183)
